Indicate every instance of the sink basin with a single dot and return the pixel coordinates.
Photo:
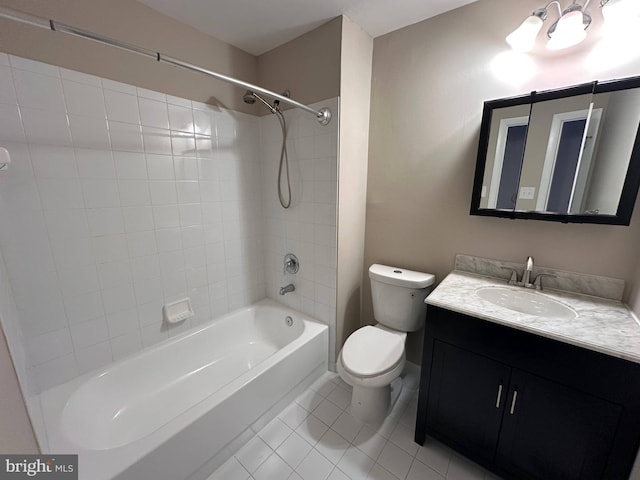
(523, 301)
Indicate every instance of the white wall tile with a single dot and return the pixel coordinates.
(100, 193)
(156, 140)
(80, 77)
(111, 248)
(89, 132)
(153, 113)
(78, 280)
(125, 137)
(134, 193)
(53, 162)
(83, 307)
(95, 163)
(137, 219)
(126, 344)
(38, 91)
(10, 124)
(105, 221)
(130, 216)
(49, 346)
(84, 99)
(90, 332)
(33, 66)
(130, 165)
(7, 92)
(160, 167)
(94, 357)
(45, 127)
(121, 107)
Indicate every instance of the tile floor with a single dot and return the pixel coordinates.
(315, 438)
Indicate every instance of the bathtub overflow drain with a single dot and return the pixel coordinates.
(288, 321)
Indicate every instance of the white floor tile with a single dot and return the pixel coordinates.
(275, 432)
(294, 449)
(332, 446)
(435, 455)
(370, 442)
(379, 473)
(309, 400)
(293, 415)
(347, 426)
(403, 438)
(419, 471)
(253, 454)
(312, 429)
(338, 474)
(230, 470)
(355, 464)
(315, 466)
(396, 460)
(340, 396)
(316, 438)
(273, 468)
(327, 411)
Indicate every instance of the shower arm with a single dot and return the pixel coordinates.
(323, 115)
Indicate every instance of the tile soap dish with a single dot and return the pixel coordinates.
(178, 311)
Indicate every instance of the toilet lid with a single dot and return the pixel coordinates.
(372, 351)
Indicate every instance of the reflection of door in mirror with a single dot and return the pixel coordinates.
(505, 151)
(512, 137)
(567, 164)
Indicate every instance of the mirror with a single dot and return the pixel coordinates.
(569, 155)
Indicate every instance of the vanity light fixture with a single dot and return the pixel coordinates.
(568, 30)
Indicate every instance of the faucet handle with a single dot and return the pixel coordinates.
(513, 280)
(538, 281)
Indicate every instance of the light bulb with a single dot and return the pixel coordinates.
(523, 38)
(569, 31)
(621, 13)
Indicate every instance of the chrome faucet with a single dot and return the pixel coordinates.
(287, 289)
(528, 271)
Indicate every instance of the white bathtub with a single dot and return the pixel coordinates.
(168, 411)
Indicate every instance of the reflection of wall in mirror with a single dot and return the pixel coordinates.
(613, 150)
(542, 114)
(497, 115)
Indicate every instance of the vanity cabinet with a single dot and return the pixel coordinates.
(525, 406)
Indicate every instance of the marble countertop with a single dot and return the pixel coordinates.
(602, 325)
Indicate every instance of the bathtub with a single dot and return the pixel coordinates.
(171, 410)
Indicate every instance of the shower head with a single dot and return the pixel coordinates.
(251, 97)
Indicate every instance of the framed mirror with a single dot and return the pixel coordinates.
(568, 155)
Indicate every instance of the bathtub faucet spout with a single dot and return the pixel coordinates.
(287, 289)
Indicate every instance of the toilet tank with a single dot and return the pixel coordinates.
(398, 296)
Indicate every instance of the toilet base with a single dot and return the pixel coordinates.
(372, 404)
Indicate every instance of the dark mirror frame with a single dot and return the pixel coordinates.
(632, 179)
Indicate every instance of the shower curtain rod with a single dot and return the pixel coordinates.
(323, 115)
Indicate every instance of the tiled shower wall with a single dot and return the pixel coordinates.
(308, 228)
(118, 200)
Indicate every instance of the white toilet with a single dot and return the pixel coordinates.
(373, 356)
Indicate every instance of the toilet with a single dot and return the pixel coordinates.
(373, 357)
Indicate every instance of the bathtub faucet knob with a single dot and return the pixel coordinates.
(287, 289)
(291, 263)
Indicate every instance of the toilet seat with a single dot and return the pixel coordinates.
(371, 351)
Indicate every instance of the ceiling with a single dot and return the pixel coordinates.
(258, 26)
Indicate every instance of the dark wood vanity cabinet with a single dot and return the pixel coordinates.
(525, 406)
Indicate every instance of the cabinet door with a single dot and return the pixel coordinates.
(551, 432)
(466, 399)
